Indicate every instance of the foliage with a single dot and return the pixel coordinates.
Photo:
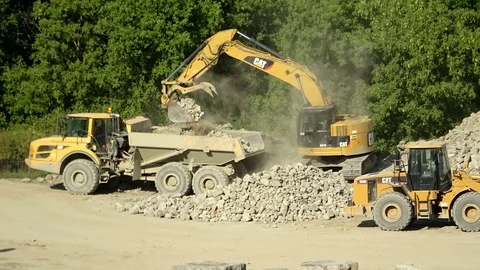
(94, 54)
(414, 66)
(427, 76)
(15, 140)
(17, 33)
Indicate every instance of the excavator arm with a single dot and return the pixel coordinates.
(207, 55)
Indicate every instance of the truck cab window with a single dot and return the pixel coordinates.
(77, 127)
(100, 133)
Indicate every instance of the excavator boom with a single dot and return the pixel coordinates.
(207, 54)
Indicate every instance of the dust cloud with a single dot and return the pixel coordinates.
(232, 102)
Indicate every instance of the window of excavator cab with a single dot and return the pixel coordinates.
(314, 121)
(306, 122)
(77, 127)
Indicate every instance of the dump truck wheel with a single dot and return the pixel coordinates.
(173, 178)
(393, 212)
(81, 177)
(466, 212)
(209, 177)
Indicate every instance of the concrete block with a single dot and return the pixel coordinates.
(210, 265)
(329, 265)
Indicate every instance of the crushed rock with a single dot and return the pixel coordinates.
(463, 144)
(218, 131)
(193, 110)
(282, 194)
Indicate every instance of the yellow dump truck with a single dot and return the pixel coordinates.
(96, 146)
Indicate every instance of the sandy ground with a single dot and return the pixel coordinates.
(46, 228)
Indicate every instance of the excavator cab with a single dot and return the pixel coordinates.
(314, 127)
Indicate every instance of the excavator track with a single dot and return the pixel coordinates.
(350, 167)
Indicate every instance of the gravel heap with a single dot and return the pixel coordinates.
(219, 134)
(463, 144)
(192, 109)
(282, 194)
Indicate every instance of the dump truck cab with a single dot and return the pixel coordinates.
(81, 134)
(422, 185)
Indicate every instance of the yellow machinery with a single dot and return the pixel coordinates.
(421, 186)
(327, 139)
(96, 146)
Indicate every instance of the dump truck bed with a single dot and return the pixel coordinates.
(196, 150)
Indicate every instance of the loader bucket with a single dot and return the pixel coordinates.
(177, 114)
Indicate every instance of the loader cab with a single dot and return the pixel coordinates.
(314, 126)
(428, 168)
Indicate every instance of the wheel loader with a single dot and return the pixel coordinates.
(422, 185)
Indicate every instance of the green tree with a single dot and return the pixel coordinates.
(427, 76)
(328, 37)
(17, 31)
(93, 54)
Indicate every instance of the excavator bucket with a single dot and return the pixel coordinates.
(177, 114)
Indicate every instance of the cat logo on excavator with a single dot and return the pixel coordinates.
(259, 62)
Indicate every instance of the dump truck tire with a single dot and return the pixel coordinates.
(81, 177)
(393, 212)
(173, 178)
(466, 212)
(209, 177)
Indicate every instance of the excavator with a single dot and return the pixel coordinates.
(341, 142)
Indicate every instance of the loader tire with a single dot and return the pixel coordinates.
(208, 178)
(393, 212)
(466, 212)
(81, 177)
(173, 178)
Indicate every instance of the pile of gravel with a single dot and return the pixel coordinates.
(192, 109)
(218, 133)
(282, 194)
(463, 144)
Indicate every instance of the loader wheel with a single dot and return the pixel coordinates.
(209, 177)
(173, 178)
(466, 212)
(393, 212)
(81, 177)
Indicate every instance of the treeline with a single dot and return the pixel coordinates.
(414, 66)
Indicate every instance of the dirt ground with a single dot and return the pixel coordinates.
(43, 227)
